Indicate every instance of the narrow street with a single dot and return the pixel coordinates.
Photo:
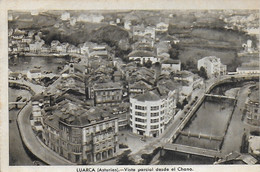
(33, 144)
(233, 138)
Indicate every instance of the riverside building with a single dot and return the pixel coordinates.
(83, 136)
(147, 114)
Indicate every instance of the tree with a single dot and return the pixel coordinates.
(203, 73)
(179, 106)
(185, 101)
(148, 64)
(124, 159)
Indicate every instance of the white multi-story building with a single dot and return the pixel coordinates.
(34, 74)
(143, 57)
(147, 114)
(170, 65)
(162, 27)
(65, 16)
(212, 65)
(248, 70)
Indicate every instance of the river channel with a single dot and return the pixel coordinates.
(211, 119)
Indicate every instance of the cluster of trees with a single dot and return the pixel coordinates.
(174, 51)
(202, 73)
(181, 105)
(124, 159)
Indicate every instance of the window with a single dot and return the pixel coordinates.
(154, 120)
(140, 114)
(162, 112)
(162, 105)
(140, 126)
(154, 108)
(154, 126)
(162, 118)
(140, 107)
(154, 114)
(140, 120)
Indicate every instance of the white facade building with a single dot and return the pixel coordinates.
(170, 65)
(143, 57)
(65, 16)
(212, 65)
(162, 27)
(147, 114)
(34, 74)
(248, 70)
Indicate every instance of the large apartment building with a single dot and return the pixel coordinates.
(83, 136)
(147, 114)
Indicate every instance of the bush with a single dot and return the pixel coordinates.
(124, 159)
(122, 146)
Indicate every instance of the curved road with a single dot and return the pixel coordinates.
(29, 138)
(33, 144)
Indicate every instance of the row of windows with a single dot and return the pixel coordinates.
(140, 114)
(154, 126)
(154, 108)
(140, 120)
(109, 98)
(140, 107)
(154, 120)
(140, 126)
(108, 92)
(154, 114)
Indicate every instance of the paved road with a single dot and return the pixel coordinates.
(233, 138)
(33, 144)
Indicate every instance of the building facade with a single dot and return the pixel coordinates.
(170, 65)
(253, 108)
(212, 66)
(110, 93)
(85, 137)
(248, 70)
(147, 114)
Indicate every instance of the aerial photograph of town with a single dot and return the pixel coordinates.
(133, 87)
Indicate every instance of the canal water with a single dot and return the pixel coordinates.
(211, 119)
(23, 64)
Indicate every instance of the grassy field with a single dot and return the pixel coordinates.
(202, 42)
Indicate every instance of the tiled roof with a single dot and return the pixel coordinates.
(141, 54)
(148, 96)
(107, 85)
(170, 61)
(35, 71)
(140, 85)
(52, 121)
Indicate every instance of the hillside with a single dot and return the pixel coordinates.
(109, 34)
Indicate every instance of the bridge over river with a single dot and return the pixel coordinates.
(193, 150)
(165, 141)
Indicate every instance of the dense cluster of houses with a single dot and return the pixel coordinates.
(81, 113)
